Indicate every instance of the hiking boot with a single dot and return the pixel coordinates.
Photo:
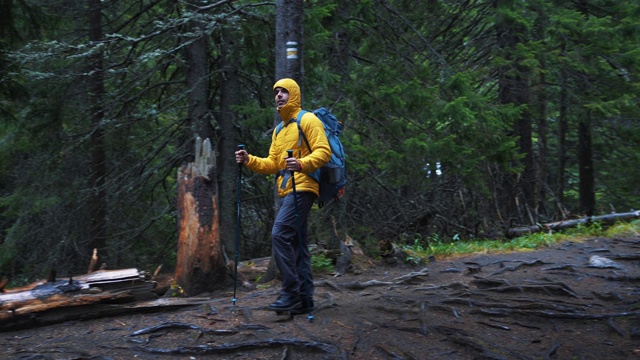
(285, 303)
(305, 307)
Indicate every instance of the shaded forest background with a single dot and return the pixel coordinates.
(461, 119)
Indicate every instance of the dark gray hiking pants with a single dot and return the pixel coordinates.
(290, 258)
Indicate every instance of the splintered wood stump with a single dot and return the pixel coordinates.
(200, 265)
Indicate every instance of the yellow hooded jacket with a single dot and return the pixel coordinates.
(288, 139)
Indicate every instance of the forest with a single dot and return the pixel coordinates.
(461, 119)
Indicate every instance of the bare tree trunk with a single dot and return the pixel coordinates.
(585, 150)
(98, 201)
(6, 22)
(229, 135)
(542, 182)
(289, 41)
(197, 54)
(563, 128)
(514, 89)
(200, 265)
(543, 134)
(339, 55)
(585, 161)
(289, 52)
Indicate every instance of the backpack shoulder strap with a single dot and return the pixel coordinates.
(300, 132)
(302, 112)
(279, 126)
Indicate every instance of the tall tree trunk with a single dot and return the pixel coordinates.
(289, 41)
(585, 151)
(523, 131)
(339, 53)
(198, 88)
(200, 265)
(543, 133)
(542, 182)
(563, 128)
(338, 57)
(98, 201)
(514, 89)
(229, 136)
(585, 161)
(289, 52)
(7, 33)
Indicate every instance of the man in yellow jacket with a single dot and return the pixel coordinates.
(292, 258)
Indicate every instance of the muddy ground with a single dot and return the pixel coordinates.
(544, 304)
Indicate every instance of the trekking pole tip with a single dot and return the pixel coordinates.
(310, 318)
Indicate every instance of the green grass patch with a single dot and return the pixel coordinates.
(421, 249)
(322, 264)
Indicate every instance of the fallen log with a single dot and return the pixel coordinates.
(101, 293)
(97, 310)
(559, 225)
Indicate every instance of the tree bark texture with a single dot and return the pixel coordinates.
(200, 265)
(98, 201)
(586, 171)
(229, 138)
(197, 77)
(563, 130)
(585, 149)
(198, 89)
(289, 64)
(289, 41)
(514, 89)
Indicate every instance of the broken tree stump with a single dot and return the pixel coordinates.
(200, 264)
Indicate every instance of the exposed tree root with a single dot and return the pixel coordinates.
(405, 279)
(548, 288)
(549, 314)
(395, 353)
(518, 266)
(243, 346)
(486, 349)
(552, 351)
(175, 325)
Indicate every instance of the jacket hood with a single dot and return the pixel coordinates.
(294, 105)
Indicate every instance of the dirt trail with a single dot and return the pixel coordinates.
(545, 304)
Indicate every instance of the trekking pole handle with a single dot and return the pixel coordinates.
(240, 147)
(290, 154)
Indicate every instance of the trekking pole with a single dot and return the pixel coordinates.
(235, 261)
(300, 241)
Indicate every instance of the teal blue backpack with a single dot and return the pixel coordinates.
(332, 177)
